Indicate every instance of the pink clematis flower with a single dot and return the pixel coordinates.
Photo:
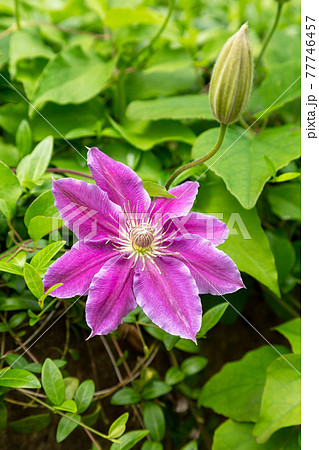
(132, 250)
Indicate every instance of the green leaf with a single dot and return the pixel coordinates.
(150, 445)
(28, 72)
(149, 167)
(156, 190)
(154, 420)
(271, 166)
(118, 426)
(27, 44)
(281, 398)
(186, 345)
(173, 376)
(168, 72)
(16, 360)
(68, 406)
(240, 162)
(170, 341)
(178, 107)
(212, 317)
(32, 167)
(190, 446)
(193, 365)
(52, 382)
(42, 258)
(72, 121)
(124, 17)
(236, 390)
(128, 440)
(17, 319)
(41, 206)
(155, 389)
(24, 138)
(60, 363)
(10, 191)
(71, 384)
(19, 378)
(30, 424)
(8, 153)
(34, 367)
(3, 328)
(145, 135)
(51, 289)
(33, 280)
(285, 201)
(292, 331)
(66, 426)
(11, 115)
(239, 436)
(13, 304)
(100, 7)
(37, 367)
(286, 177)
(125, 396)
(284, 254)
(39, 226)
(276, 90)
(84, 395)
(283, 46)
(72, 76)
(247, 243)
(41, 301)
(14, 266)
(3, 416)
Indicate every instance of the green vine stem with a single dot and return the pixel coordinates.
(269, 35)
(210, 154)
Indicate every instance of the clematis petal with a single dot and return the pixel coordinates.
(208, 227)
(123, 186)
(110, 296)
(76, 268)
(85, 209)
(213, 270)
(169, 298)
(174, 207)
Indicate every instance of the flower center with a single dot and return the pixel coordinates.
(142, 236)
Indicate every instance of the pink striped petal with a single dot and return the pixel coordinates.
(85, 209)
(208, 227)
(174, 207)
(169, 297)
(123, 186)
(213, 270)
(110, 296)
(76, 268)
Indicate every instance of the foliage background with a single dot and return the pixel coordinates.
(119, 76)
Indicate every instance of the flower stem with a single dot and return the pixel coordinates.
(17, 13)
(222, 132)
(269, 34)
